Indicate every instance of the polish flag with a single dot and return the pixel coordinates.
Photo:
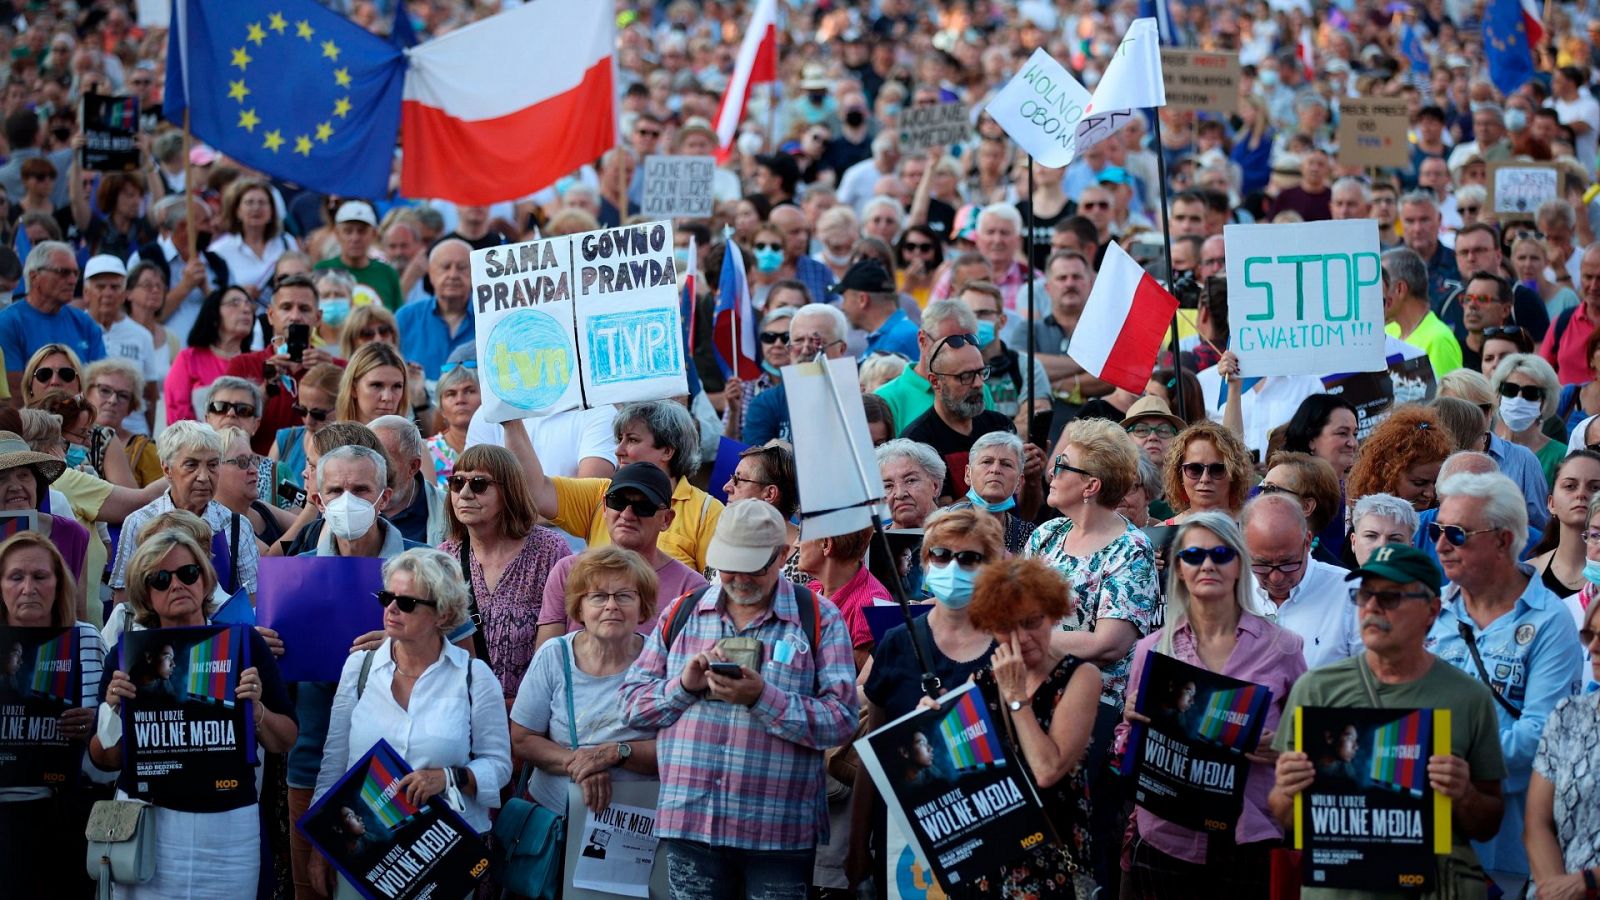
(1533, 21)
(1306, 50)
(506, 106)
(757, 63)
(1123, 322)
(733, 329)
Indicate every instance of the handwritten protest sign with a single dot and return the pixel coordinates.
(940, 125)
(1197, 80)
(678, 187)
(1372, 132)
(1517, 188)
(1304, 298)
(580, 320)
(1040, 108)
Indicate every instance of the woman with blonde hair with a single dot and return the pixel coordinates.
(1517, 462)
(51, 367)
(367, 323)
(116, 390)
(375, 383)
(1252, 145)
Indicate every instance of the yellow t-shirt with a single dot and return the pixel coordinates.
(580, 511)
(87, 494)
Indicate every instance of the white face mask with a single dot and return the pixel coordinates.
(1517, 413)
(349, 517)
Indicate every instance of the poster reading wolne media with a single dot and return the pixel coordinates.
(388, 847)
(40, 678)
(951, 788)
(184, 733)
(1370, 821)
(1188, 764)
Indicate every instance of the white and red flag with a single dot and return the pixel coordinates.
(1123, 322)
(757, 63)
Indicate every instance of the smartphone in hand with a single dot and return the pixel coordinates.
(727, 669)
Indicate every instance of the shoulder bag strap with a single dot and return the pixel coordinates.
(566, 671)
(1483, 673)
(480, 642)
(366, 669)
(470, 754)
(1366, 681)
(233, 555)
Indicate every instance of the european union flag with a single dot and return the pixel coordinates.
(289, 88)
(1505, 44)
(1411, 48)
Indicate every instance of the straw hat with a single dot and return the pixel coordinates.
(1152, 408)
(14, 451)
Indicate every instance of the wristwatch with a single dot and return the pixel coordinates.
(1015, 705)
(624, 752)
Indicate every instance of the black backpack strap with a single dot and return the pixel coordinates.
(807, 604)
(233, 556)
(679, 617)
(1562, 321)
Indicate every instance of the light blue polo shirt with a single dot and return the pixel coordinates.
(426, 340)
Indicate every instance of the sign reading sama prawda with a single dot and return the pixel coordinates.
(1305, 298)
(578, 321)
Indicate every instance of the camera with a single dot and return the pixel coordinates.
(1187, 288)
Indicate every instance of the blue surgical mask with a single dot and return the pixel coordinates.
(1516, 119)
(985, 333)
(335, 310)
(770, 369)
(1591, 572)
(1268, 77)
(76, 456)
(768, 259)
(680, 255)
(950, 584)
(979, 502)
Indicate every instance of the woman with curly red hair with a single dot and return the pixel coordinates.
(1402, 457)
(1207, 468)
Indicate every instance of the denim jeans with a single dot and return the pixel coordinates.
(697, 871)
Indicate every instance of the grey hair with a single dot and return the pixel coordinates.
(777, 315)
(235, 383)
(1262, 504)
(1405, 265)
(1226, 531)
(882, 368)
(1003, 211)
(39, 256)
(1494, 109)
(1348, 183)
(429, 217)
(841, 325)
(924, 456)
(356, 452)
(338, 276)
(448, 379)
(1503, 503)
(888, 140)
(998, 439)
(1386, 506)
(437, 577)
(1471, 193)
(167, 146)
(116, 365)
(671, 426)
(886, 201)
(187, 434)
(169, 211)
(1554, 207)
(1151, 478)
(1420, 196)
(940, 312)
(406, 430)
(1467, 461)
(1534, 367)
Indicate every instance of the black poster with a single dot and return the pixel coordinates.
(387, 846)
(183, 732)
(1370, 821)
(1409, 379)
(40, 678)
(1189, 764)
(110, 125)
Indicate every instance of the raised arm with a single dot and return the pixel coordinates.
(539, 486)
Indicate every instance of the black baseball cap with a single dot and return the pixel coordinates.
(647, 479)
(867, 275)
(1401, 563)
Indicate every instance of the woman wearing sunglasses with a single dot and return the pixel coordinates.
(437, 706)
(170, 585)
(1207, 470)
(1402, 457)
(919, 254)
(774, 336)
(459, 397)
(1209, 624)
(1527, 390)
(53, 367)
(313, 406)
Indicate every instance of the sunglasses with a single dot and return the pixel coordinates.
(406, 604)
(370, 334)
(161, 579)
(1455, 534)
(1387, 601)
(65, 373)
(642, 508)
(1586, 636)
(775, 337)
(1502, 331)
(649, 133)
(471, 365)
(1468, 210)
(966, 559)
(1528, 391)
(317, 415)
(223, 407)
(1095, 204)
(1219, 555)
(1195, 471)
(917, 247)
(762, 245)
(478, 483)
(1063, 466)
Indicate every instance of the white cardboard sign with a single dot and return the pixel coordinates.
(826, 415)
(678, 187)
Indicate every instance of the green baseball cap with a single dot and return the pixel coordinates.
(1401, 563)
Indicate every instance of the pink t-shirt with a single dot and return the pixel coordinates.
(860, 591)
(194, 368)
(675, 579)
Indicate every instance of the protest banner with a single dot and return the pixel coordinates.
(110, 126)
(581, 320)
(40, 678)
(319, 605)
(388, 847)
(829, 422)
(1040, 108)
(1199, 80)
(1305, 297)
(1370, 821)
(184, 735)
(940, 125)
(1517, 188)
(1409, 379)
(612, 853)
(949, 785)
(678, 187)
(1373, 133)
(1188, 764)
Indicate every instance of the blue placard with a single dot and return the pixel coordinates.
(237, 611)
(728, 451)
(882, 618)
(318, 605)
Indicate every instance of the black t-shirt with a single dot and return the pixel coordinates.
(895, 683)
(1043, 229)
(841, 153)
(953, 446)
(491, 238)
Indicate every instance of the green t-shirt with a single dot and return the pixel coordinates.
(379, 276)
(1474, 732)
(1436, 339)
(1550, 457)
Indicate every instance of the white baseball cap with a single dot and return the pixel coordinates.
(355, 211)
(104, 264)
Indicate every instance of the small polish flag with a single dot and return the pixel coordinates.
(1123, 322)
(757, 63)
(1533, 21)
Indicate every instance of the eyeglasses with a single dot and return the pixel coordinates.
(243, 463)
(775, 337)
(478, 483)
(1478, 299)
(1095, 204)
(223, 407)
(470, 365)
(599, 599)
(648, 132)
(763, 245)
(809, 342)
(1455, 534)
(1468, 210)
(967, 378)
(1267, 487)
(643, 508)
(1195, 471)
(917, 247)
(737, 480)
(1502, 331)
(1145, 429)
(1063, 466)
(372, 334)
(161, 579)
(1528, 391)
(406, 604)
(1387, 601)
(1196, 556)
(1590, 537)
(1288, 568)
(108, 392)
(966, 559)
(317, 415)
(65, 373)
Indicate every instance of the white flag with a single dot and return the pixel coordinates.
(1040, 108)
(1133, 80)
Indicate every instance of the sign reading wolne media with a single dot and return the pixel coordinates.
(1304, 298)
(949, 785)
(1189, 765)
(582, 320)
(388, 847)
(939, 125)
(40, 678)
(1370, 821)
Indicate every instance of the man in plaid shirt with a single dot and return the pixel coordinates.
(743, 803)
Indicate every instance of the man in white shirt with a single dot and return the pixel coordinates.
(1306, 596)
(104, 290)
(1267, 404)
(1578, 109)
(578, 443)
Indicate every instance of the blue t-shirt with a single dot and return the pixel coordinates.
(426, 340)
(23, 330)
(898, 334)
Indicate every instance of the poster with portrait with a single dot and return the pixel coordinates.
(40, 678)
(952, 788)
(1409, 379)
(388, 847)
(1188, 765)
(110, 132)
(184, 733)
(1370, 821)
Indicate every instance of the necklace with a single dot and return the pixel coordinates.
(403, 674)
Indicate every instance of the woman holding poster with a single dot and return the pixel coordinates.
(42, 827)
(1209, 625)
(208, 842)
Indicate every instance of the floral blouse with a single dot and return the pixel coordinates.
(444, 458)
(511, 611)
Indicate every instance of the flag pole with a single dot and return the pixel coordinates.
(188, 185)
(1027, 433)
(733, 323)
(1166, 238)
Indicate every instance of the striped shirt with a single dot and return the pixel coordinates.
(747, 777)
